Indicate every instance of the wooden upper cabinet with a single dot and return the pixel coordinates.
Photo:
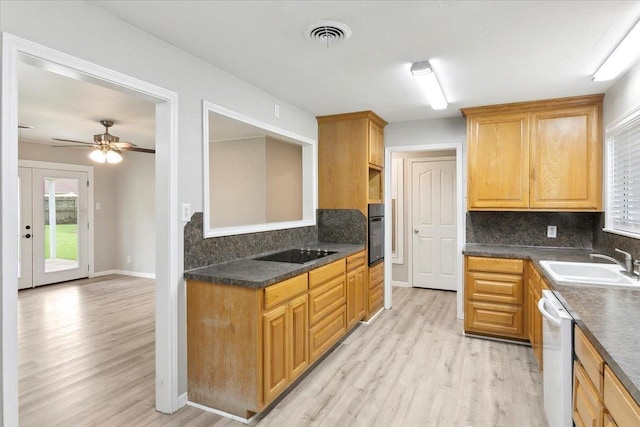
(498, 160)
(566, 159)
(543, 155)
(376, 145)
(350, 160)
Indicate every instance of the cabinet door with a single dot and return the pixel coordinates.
(276, 350)
(498, 150)
(376, 145)
(588, 410)
(621, 405)
(566, 159)
(493, 319)
(299, 318)
(536, 344)
(355, 296)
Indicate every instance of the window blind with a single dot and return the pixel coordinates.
(624, 177)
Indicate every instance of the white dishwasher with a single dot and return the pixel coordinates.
(557, 360)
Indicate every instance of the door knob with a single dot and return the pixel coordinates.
(27, 236)
(415, 231)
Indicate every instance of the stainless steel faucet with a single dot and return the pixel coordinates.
(628, 261)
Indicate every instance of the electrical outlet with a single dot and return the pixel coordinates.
(276, 110)
(186, 211)
(552, 231)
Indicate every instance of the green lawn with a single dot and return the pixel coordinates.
(66, 239)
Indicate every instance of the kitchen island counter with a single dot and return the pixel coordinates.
(609, 315)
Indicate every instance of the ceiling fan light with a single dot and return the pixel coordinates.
(98, 156)
(113, 157)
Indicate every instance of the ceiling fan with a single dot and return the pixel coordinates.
(106, 147)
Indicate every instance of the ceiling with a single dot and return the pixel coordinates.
(484, 52)
(62, 107)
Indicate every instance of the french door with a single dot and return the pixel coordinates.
(53, 226)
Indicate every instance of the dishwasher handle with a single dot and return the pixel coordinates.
(546, 314)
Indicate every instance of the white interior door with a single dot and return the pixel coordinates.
(433, 199)
(25, 232)
(54, 205)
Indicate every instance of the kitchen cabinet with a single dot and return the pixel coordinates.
(375, 294)
(245, 346)
(356, 309)
(494, 297)
(543, 155)
(534, 317)
(350, 160)
(327, 312)
(599, 398)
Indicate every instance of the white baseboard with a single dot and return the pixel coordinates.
(182, 400)
(374, 317)
(400, 284)
(222, 413)
(124, 273)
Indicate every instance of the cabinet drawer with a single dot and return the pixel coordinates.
(327, 272)
(356, 260)
(376, 275)
(280, 292)
(588, 410)
(498, 265)
(494, 287)
(623, 408)
(590, 359)
(493, 319)
(325, 299)
(326, 333)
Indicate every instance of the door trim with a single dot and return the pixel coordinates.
(169, 243)
(410, 213)
(461, 179)
(36, 164)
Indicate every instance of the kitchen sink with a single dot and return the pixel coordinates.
(587, 273)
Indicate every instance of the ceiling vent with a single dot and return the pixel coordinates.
(327, 32)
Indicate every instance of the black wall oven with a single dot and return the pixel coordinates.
(376, 232)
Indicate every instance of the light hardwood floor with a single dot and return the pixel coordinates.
(87, 359)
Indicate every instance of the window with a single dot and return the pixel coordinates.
(623, 187)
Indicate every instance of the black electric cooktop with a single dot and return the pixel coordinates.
(296, 256)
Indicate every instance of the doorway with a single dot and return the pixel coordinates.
(53, 226)
(168, 243)
(433, 223)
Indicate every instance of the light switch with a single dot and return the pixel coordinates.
(186, 211)
(98, 207)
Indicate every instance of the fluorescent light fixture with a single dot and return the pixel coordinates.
(428, 82)
(621, 58)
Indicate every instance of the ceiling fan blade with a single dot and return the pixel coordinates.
(68, 146)
(123, 144)
(71, 140)
(141, 150)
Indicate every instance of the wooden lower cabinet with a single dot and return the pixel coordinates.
(494, 297)
(356, 282)
(599, 398)
(286, 347)
(588, 410)
(245, 346)
(375, 294)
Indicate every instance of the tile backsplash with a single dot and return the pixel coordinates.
(333, 226)
(575, 230)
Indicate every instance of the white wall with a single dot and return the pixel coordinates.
(78, 28)
(422, 132)
(623, 97)
(283, 183)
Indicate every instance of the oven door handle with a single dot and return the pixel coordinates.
(376, 219)
(546, 314)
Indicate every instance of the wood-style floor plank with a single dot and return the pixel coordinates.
(87, 359)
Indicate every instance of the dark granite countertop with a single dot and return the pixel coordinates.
(251, 273)
(609, 315)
